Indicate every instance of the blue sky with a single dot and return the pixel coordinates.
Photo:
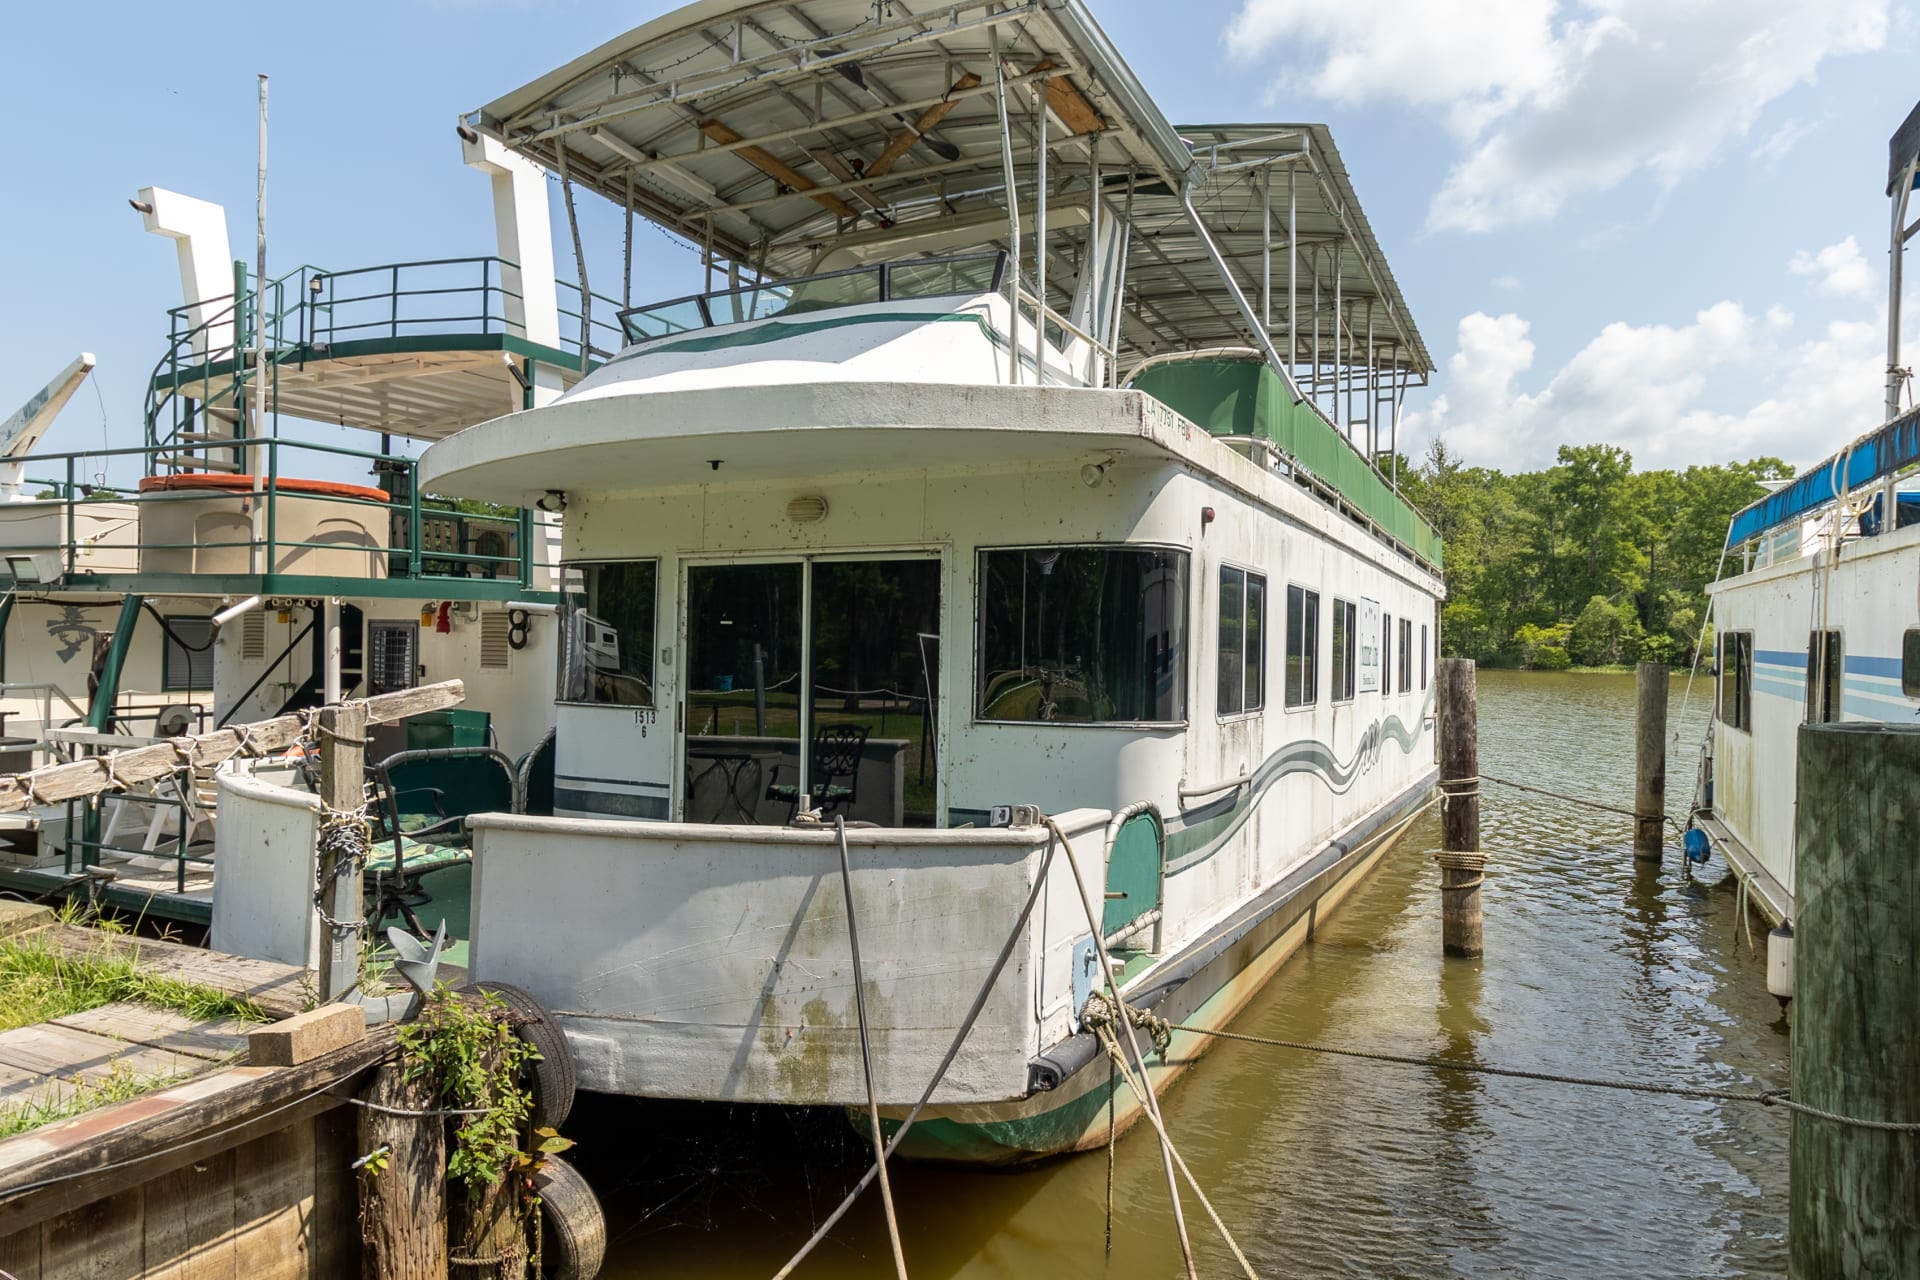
(1615, 220)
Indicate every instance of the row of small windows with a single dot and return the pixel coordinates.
(1354, 657)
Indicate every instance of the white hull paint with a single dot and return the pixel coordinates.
(1867, 596)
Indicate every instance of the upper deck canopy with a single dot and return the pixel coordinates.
(798, 137)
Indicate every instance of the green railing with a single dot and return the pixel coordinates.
(410, 515)
(208, 364)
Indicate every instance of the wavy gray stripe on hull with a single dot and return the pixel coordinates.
(1194, 835)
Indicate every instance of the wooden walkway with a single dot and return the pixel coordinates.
(46, 1062)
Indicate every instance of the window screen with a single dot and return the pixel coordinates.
(1406, 655)
(1910, 663)
(393, 655)
(189, 660)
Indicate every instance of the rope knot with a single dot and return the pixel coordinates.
(1100, 1014)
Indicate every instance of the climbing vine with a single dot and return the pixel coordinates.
(465, 1048)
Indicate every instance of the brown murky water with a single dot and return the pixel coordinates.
(1335, 1167)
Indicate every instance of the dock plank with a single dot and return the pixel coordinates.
(98, 1241)
(189, 1222)
(273, 1194)
(69, 1054)
(162, 1029)
(282, 990)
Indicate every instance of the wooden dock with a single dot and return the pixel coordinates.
(230, 1169)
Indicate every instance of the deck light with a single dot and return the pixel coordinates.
(1206, 516)
(553, 501)
(1093, 473)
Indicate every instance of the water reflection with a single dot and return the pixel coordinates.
(1331, 1167)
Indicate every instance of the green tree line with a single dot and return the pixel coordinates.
(1588, 562)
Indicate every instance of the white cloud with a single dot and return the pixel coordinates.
(1508, 283)
(1839, 269)
(1552, 99)
(1645, 387)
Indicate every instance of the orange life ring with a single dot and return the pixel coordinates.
(223, 483)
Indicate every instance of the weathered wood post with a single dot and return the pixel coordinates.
(342, 731)
(403, 1205)
(1462, 864)
(1856, 1042)
(1650, 761)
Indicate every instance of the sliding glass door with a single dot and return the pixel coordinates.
(813, 684)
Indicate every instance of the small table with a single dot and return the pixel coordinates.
(731, 765)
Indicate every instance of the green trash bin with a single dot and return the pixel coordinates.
(458, 727)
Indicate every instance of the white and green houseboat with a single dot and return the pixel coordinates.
(1026, 453)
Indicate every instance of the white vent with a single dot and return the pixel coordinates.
(493, 641)
(253, 637)
(808, 508)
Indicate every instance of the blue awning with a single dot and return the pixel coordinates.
(1886, 451)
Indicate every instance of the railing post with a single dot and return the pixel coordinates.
(273, 505)
(527, 526)
(413, 520)
(394, 298)
(73, 529)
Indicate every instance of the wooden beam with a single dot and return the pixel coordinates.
(1069, 103)
(776, 168)
(901, 143)
(56, 783)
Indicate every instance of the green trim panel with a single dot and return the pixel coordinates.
(1237, 396)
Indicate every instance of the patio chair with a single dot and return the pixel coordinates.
(835, 754)
(422, 800)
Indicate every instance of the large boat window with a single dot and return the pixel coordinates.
(1303, 647)
(1083, 635)
(607, 633)
(1423, 655)
(961, 275)
(1736, 679)
(1406, 655)
(1823, 677)
(1241, 670)
(1910, 663)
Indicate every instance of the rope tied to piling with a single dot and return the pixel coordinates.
(1099, 1014)
(1470, 863)
(1452, 789)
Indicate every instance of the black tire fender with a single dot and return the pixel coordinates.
(551, 1078)
(573, 1239)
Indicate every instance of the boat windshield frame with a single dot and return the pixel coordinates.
(696, 311)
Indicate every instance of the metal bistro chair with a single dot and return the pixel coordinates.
(422, 802)
(835, 754)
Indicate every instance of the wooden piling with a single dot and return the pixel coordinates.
(1650, 761)
(1856, 1045)
(1462, 864)
(403, 1205)
(342, 731)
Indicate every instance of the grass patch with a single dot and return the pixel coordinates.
(40, 982)
(71, 1098)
